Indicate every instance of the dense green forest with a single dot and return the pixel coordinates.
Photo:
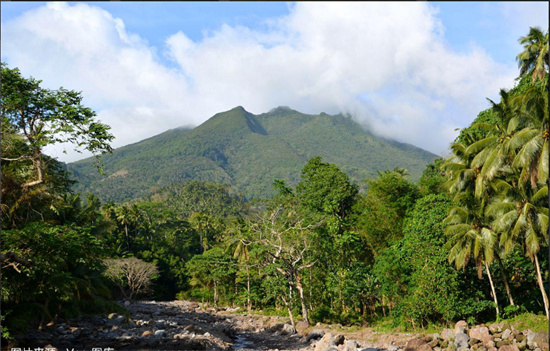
(467, 241)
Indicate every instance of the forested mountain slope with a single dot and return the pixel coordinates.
(248, 152)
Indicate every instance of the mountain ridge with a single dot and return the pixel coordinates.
(247, 152)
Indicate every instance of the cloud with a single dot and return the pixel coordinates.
(387, 64)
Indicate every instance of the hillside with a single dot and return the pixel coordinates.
(248, 152)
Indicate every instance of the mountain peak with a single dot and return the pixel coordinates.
(279, 109)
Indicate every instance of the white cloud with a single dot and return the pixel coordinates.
(320, 57)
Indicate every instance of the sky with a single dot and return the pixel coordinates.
(411, 71)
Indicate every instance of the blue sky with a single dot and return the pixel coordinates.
(414, 71)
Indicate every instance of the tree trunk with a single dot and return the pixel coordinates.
(302, 299)
(541, 286)
(127, 237)
(505, 279)
(249, 306)
(492, 287)
(215, 294)
(289, 312)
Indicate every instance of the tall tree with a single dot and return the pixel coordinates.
(533, 60)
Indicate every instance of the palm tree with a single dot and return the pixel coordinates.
(469, 238)
(533, 59)
(532, 141)
(239, 245)
(467, 224)
(521, 215)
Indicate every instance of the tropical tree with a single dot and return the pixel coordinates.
(521, 216)
(533, 60)
(469, 238)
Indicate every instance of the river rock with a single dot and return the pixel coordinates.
(326, 343)
(530, 337)
(115, 319)
(315, 334)
(502, 343)
(541, 340)
(146, 333)
(447, 334)
(508, 348)
(506, 334)
(461, 327)
(160, 333)
(350, 345)
(461, 340)
(417, 345)
(288, 329)
(339, 339)
(522, 345)
(479, 333)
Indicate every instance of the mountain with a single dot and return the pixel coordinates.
(248, 152)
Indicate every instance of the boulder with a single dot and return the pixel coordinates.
(326, 343)
(461, 340)
(502, 343)
(509, 348)
(461, 327)
(160, 333)
(447, 334)
(417, 345)
(287, 329)
(479, 333)
(506, 333)
(541, 340)
(530, 338)
(315, 334)
(350, 345)
(339, 339)
(277, 327)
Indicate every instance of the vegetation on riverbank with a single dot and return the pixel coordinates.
(465, 242)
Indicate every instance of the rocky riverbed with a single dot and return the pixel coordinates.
(184, 325)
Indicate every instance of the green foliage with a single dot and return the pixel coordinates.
(381, 212)
(65, 270)
(326, 189)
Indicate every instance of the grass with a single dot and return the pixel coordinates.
(535, 322)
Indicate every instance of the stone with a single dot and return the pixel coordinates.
(447, 334)
(541, 340)
(522, 345)
(461, 340)
(530, 337)
(473, 341)
(520, 338)
(339, 339)
(393, 348)
(417, 345)
(315, 334)
(287, 329)
(434, 343)
(461, 327)
(506, 334)
(160, 333)
(277, 327)
(301, 326)
(350, 345)
(115, 319)
(502, 343)
(508, 348)
(126, 303)
(326, 343)
(478, 333)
